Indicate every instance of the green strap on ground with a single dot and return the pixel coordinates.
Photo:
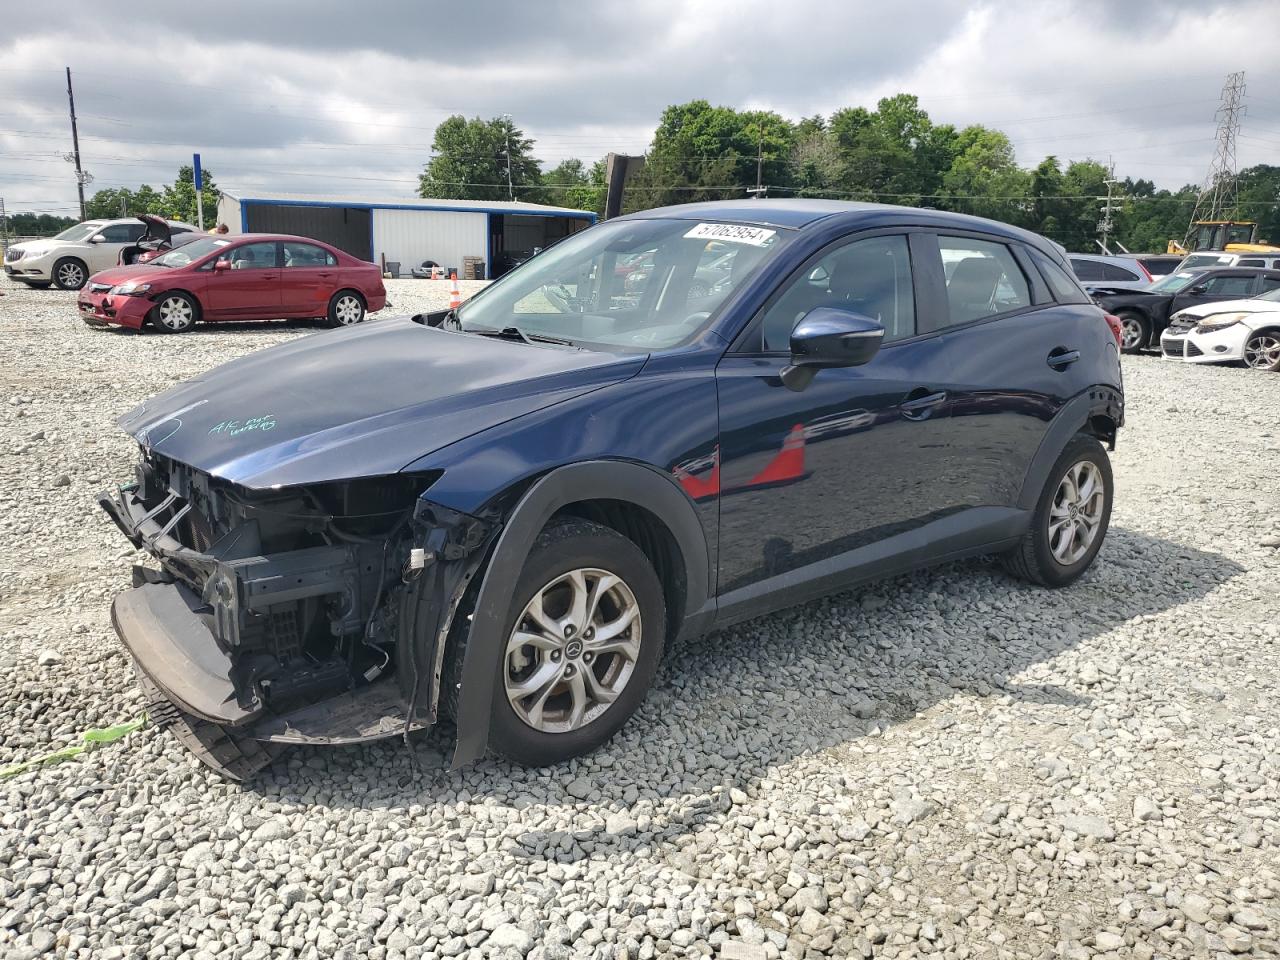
(90, 740)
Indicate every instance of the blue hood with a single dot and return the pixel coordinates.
(364, 401)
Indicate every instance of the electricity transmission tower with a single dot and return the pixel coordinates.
(1217, 197)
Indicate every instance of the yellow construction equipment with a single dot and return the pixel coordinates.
(1238, 236)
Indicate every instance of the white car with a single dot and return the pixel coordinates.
(1247, 330)
(74, 255)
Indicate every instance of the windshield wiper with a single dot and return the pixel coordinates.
(515, 333)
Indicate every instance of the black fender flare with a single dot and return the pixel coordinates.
(622, 480)
(1070, 420)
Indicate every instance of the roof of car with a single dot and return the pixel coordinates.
(282, 237)
(795, 214)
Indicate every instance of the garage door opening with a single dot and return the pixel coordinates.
(350, 229)
(514, 238)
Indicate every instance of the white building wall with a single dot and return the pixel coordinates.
(411, 236)
(228, 213)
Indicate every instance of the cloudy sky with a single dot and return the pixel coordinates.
(334, 97)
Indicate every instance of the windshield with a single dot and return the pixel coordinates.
(81, 231)
(190, 252)
(1206, 260)
(1173, 282)
(640, 284)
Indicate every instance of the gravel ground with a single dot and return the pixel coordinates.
(951, 764)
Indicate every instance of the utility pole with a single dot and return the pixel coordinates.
(1106, 224)
(511, 193)
(4, 227)
(75, 144)
(759, 190)
(1217, 198)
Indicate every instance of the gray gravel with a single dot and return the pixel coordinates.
(951, 764)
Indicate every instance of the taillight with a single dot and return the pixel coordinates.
(1117, 327)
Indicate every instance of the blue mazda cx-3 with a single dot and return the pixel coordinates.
(666, 423)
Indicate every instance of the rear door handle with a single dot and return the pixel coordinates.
(919, 405)
(1060, 358)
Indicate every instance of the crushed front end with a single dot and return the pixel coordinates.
(307, 614)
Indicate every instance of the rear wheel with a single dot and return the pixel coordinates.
(346, 307)
(584, 637)
(1262, 351)
(1070, 520)
(1135, 332)
(70, 273)
(174, 313)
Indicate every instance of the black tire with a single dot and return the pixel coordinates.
(565, 547)
(169, 316)
(70, 273)
(346, 308)
(1139, 342)
(1033, 558)
(1260, 348)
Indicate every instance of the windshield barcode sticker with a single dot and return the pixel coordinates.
(731, 233)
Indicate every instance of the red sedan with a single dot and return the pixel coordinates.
(253, 276)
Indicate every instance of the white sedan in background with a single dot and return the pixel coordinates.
(1247, 330)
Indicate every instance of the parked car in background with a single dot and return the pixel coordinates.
(1117, 273)
(1158, 264)
(70, 258)
(1211, 259)
(1145, 313)
(1240, 330)
(158, 236)
(503, 513)
(244, 277)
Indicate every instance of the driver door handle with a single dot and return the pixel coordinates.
(920, 404)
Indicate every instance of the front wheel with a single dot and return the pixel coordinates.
(1135, 332)
(1071, 517)
(584, 638)
(174, 313)
(346, 308)
(70, 273)
(1262, 351)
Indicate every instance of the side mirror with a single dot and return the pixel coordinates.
(1198, 289)
(827, 338)
(98, 238)
(221, 264)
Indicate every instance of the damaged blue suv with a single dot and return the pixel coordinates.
(666, 423)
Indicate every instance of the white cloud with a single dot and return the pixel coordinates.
(336, 102)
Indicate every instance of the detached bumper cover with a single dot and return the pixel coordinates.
(172, 644)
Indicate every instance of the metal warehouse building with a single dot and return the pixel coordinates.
(408, 232)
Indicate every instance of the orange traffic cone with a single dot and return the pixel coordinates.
(455, 295)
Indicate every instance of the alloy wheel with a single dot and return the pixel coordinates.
(1262, 352)
(1131, 333)
(347, 310)
(71, 275)
(1076, 513)
(175, 313)
(573, 650)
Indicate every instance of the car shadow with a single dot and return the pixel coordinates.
(828, 674)
(206, 328)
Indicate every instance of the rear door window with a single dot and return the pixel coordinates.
(1112, 272)
(123, 232)
(307, 255)
(1065, 290)
(1087, 269)
(983, 279)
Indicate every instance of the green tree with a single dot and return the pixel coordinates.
(107, 203)
(178, 202)
(571, 183)
(470, 161)
(37, 224)
(984, 179)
